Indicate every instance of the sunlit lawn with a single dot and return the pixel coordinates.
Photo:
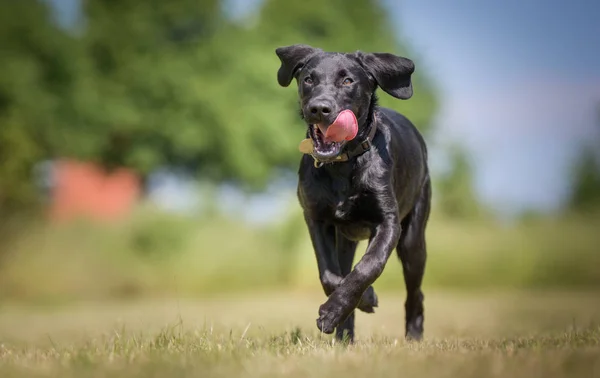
(274, 335)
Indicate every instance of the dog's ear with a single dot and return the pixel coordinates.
(391, 72)
(292, 59)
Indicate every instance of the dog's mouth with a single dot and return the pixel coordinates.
(323, 149)
(329, 140)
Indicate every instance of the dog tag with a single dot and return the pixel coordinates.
(306, 146)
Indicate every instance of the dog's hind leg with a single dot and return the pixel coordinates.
(413, 254)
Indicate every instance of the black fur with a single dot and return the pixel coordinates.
(382, 195)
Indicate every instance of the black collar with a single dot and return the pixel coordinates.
(362, 147)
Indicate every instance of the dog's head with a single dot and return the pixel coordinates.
(330, 82)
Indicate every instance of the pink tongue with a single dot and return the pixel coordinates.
(345, 127)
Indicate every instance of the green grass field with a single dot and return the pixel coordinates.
(82, 300)
(499, 334)
(154, 254)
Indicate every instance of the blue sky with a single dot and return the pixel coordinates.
(519, 82)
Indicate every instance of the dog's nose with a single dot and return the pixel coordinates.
(320, 109)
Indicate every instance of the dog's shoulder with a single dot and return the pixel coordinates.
(401, 133)
(399, 123)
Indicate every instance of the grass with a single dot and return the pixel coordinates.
(156, 254)
(499, 334)
(85, 300)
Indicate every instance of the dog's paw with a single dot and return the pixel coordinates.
(414, 329)
(368, 301)
(331, 314)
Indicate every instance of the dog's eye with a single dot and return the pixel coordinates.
(308, 80)
(348, 81)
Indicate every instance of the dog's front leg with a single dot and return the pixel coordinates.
(322, 236)
(346, 297)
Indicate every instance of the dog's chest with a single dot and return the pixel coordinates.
(337, 200)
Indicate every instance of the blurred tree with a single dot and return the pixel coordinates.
(146, 84)
(140, 100)
(36, 73)
(586, 186)
(176, 83)
(347, 25)
(586, 176)
(257, 119)
(193, 88)
(454, 191)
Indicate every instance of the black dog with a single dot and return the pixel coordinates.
(375, 186)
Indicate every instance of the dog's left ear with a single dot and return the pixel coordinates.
(391, 72)
(292, 59)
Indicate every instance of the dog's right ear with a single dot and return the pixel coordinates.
(292, 59)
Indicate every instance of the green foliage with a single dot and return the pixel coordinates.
(155, 254)
(141, 102)
(341, 25)
(454, 192)
(149, 254)
(585, 193)
(586, 182)
(146, 84)
(35, 74)
(18, 154)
